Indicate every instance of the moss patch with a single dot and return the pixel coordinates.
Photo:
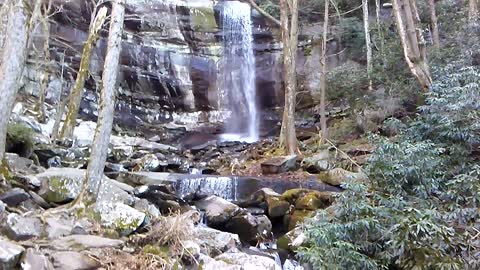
(297, 217)
(20, 139)
(203, 19)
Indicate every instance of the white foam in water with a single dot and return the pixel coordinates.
(292, 265)
(230, 137)
(224, 187)
(239, 93)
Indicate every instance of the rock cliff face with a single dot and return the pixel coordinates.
(170, 60)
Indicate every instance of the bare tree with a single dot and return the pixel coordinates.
(13, 62)
(472, 10)
(289, 25)
(98, 157)
(434, 23)
(77, 89)
(41, 13)
(368, 41)
(413, 43)
(323, 73)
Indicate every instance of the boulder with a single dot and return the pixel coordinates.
(73, 261)
(314, 200)
(291, 240)
(39, 200)
(250, 228)
(210, 263)
(58, 227)
(32, 260)
(146, 207)
(318, 163)
(21, 228)
(214, 242)
(297, 217)
(83, 242)
(217, 210)
(21, 165)
(279, 164)
(60, 185)
(14, 197)
(247, 261)
(112, 191)
(148, 163)
(10, 254)
(276, 205)
(120, 217)
(338, 176)
(162, 196)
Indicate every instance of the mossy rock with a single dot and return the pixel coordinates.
(20, 140)
(297, 217)
(277, 207)
(314, 200)
(338, 176)
(60, 189)
(285, 241)
(120, 217)
(292, 195)
(202, 19)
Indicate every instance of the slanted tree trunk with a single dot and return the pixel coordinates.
(77, 89)
(288, 138)
(472, 11)
(4, 10)
(323, 73)
(368, 41)
(11, 68)
(413, 43)
(434, 22)
(98, 157)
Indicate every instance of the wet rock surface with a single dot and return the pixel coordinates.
(10, 254)
(20, 228)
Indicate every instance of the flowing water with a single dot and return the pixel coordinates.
(239, 94)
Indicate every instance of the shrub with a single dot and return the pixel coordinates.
(420, 209)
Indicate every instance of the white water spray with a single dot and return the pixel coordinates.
(239, 74)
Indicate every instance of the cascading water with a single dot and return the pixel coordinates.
(238, 73)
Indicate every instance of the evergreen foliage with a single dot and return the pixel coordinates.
(420, 209)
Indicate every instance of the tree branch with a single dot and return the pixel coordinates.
(263, 12)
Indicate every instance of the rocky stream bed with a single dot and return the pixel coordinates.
(194, 203)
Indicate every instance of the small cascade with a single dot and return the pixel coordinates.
(238, 95)
(292, 265)
(194, 171)
(224, 187)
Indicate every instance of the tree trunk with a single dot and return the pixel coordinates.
(13, 62)
(433, 18)
(413, 44)
(77, 89)
(380, 31)
(368, 42)
(98, 157)
(288, 138)
(4, 10)
(44, 77)
(472, 11)
(323, 74)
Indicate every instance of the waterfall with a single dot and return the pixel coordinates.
(239, 94)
